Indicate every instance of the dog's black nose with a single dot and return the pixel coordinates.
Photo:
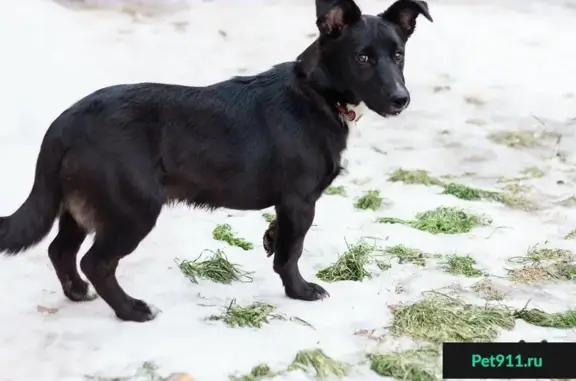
(399, 101)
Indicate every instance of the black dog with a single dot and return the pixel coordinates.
(109, 163)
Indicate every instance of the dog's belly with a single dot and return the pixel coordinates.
(227, 196)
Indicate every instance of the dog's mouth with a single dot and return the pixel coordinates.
(389, 113)
(386, 111)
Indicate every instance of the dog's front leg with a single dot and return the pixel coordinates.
(293, 219)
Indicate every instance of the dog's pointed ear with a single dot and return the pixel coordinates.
(404, 13)
(333, 15)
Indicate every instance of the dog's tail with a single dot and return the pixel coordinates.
(34, 219)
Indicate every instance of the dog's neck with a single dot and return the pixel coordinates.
(342, 102)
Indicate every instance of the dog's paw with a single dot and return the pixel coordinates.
(138, 311)
(79, 292)
(269, 238)
(307, 291)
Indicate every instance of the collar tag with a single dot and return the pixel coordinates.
(349, 115)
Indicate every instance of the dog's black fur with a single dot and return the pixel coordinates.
(109, 163)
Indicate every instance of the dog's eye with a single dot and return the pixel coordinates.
(362, 58)
(398, 56)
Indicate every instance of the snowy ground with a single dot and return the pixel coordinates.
(512, 60)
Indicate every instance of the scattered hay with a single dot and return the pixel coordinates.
(539, 273)
(224, 233)
(474, 100)
(269, 217)
(476, 122)
(486, 289)
(564, 271)
(562, 320)
(533, 172)
(442, 220)
(257, 373)
(530, 275)
(543, 265)
(440, 318)
(410, 365)
(462, 265)
(253, 315)
(537, 255)
(371, 200)
(465, 192)
(147, 371)
(352, 265)
(336, 191)
(571, 235)
(521, 139)
(317, 363)
(417, 176)
(217, 268)
(516, 189)
(407, 255)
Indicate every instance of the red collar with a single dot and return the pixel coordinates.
(349, 115)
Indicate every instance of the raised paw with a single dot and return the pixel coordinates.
(306, 291)
(138, 311)
(269, 238)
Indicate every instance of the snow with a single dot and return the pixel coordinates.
(518, 56)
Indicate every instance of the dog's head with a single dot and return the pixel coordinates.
(362, 56)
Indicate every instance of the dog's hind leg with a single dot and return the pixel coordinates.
(62, 252)
(269, 238)
(294, 218)
(121, 198)
(119, 237)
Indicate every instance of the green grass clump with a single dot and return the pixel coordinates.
(351, 265)
(269, 217)
(563, 320)
(461, 265)
(417, 176)
(571, 235)
(407, 255)
(392, 220)
(253, 315)
(217, 268)
(371, 200)
(319, 364)
(336, 190)
(224, 233)
(410, 365)
(257, 373)
(442, 220)
(448, 221)
(465, 192)
(440, 318)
